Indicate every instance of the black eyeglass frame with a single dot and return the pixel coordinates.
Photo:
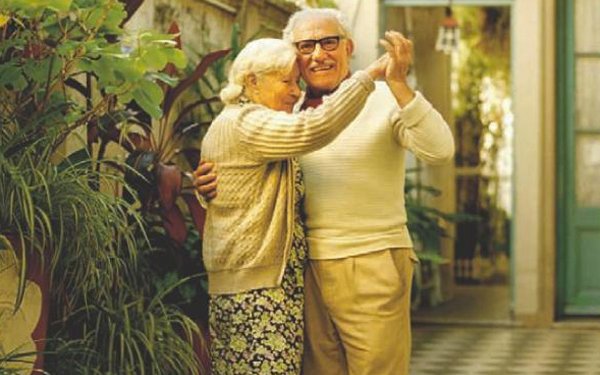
(314, 42)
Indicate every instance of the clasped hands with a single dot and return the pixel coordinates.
(394, 66)
(395, 63)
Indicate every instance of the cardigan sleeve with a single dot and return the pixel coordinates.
(275, 135)
(421, 129)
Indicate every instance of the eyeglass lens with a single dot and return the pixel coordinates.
(329, 43)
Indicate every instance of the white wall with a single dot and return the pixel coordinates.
(364, 20)
(533, 48)
(529, 51)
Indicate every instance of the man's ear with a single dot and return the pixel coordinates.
(349, 47)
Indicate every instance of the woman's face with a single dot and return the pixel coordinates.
(276, 90)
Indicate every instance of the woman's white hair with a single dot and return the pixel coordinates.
(257, 57)
(316, 13)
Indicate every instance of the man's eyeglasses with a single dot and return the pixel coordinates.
(329, 43)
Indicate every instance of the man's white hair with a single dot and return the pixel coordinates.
(312, 13)
(257, 57)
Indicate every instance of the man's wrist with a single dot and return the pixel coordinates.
(402, 92)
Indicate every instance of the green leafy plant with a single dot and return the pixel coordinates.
(160, 152)
(152, 133)
(130, 334)
(427, 226)
(46, 204)
(425, 222)
(46, 46)
(67, 71)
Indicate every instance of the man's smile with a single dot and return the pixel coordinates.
(322, 68)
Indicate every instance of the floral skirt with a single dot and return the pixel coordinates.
(261, 331)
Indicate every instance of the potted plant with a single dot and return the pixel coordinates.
(426, 226)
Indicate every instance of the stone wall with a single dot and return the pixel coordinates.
(207, 25)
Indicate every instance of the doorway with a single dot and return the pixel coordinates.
(471, 87)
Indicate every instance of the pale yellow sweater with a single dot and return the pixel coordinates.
(354, 200)
(248, 229)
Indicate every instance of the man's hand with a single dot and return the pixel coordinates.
(205, 181)
(400, 51)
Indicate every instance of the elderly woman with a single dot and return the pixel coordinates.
(254, 246)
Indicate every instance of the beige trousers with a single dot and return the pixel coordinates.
(357, 314)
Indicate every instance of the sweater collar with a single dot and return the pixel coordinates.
(313, 100)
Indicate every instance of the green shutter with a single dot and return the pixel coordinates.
(578, 158)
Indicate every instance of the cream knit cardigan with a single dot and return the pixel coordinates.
(249, 225)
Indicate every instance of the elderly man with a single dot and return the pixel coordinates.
(358, 279)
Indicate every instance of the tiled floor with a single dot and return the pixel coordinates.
(445, 350)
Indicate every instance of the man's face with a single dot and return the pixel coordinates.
(323, 70)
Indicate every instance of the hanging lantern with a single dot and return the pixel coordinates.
(448, 34)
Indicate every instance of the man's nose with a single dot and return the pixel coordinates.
(318, 53)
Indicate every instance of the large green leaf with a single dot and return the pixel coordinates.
(149, 96)
(158, 49)
(77, 159)
(68, 48)
(114, 18)
(155, 58)
(59, 5)
(162, 77)
(432, 256)
(107, 17)
(11, 76)
(125, 70)
(150, 37)
(177, 57)
(34, 5)
(40, 70)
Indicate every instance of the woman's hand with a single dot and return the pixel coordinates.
(378, 67)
